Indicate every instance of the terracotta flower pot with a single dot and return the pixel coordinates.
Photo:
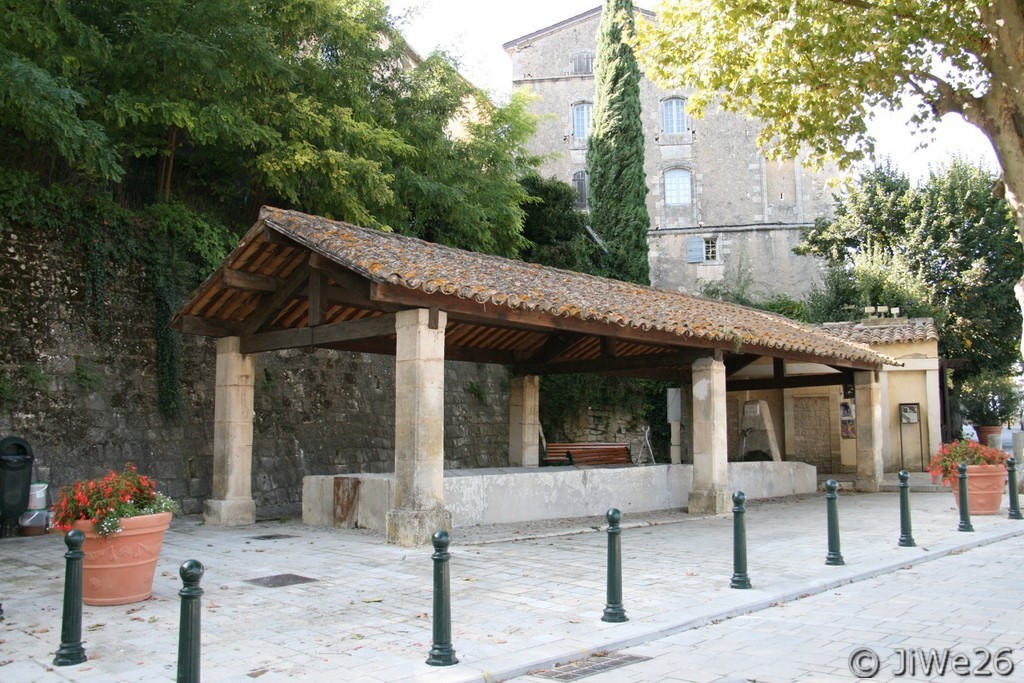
(119, 569)
(985, 485)
(985, 432)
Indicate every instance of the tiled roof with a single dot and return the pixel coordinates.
(885, 331)
(386, 258)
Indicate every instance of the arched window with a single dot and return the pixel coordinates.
(581, 120)
(678, 187)
(582, 63)
(579, 181)
(673, 115)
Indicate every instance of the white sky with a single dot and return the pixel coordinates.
(473, 32)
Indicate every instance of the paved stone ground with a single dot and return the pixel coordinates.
(524, 597)
(958, 604)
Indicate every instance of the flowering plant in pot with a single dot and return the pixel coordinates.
(106, 501)
(124, 519)
(986, 473)
(967, 452)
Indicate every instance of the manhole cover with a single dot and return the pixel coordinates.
(574, 671)
(271, 537)
(279, 580)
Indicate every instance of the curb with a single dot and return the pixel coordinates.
(811, 588)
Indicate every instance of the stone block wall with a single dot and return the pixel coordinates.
(87, 402)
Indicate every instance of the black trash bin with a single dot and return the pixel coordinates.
(15, 479)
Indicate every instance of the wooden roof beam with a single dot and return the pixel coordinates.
(323, 335)
(606, 365)
(734, 364)
(790, 382)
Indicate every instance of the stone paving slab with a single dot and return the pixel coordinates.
(523, 596)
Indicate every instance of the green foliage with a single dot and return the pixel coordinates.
(86, 377)
(34, 377)
(307, 104)
(554, 226)
(44, 50)
(947, 249)
(460, 189)
(474, 389)
(617, 184)
(185, 247)
(814, 70)
(268, 381)
(990, 399)
(6, 388)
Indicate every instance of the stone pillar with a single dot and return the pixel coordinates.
(675, 424)
(869, 430)
(419, 429)
(675, 449)
(232, 503)
(524, 422)
(710, 492)
(933, 410)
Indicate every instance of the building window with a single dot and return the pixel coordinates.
(710, 249)
(582, 64)
(673, 114)
(581, 120)
(701, 249)
(579, 181)
(678, 187)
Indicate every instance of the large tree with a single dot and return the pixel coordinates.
(617, 187)
(814, 70)
(947, 245)
(309, 104)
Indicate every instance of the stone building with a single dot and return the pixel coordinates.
(717, 206)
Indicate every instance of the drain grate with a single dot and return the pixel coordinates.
(279, 580)
(271, 537)
(599, 663)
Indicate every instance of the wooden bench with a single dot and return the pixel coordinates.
(587, 454)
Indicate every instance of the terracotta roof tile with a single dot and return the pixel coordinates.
(388, 258)
(885, 331)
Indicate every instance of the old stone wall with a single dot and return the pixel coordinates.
(87, 402)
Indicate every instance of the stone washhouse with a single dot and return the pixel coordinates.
(301, 281)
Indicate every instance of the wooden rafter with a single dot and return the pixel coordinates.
(323, 335)
(266, 310)
(606, 365)
(789, 382)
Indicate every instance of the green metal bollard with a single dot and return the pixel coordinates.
(965, 508)
(442, 653)
(835, 556)
(906, 534)
(739, 543)
(613, 610)
(71, 651)
(191, 573)
(1011, 472)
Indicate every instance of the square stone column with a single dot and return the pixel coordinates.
(419, 429)
(933, 411)
(524, 422)
(868, 395)
(710, 493)
(232, 503)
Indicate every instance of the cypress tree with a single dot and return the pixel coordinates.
(617, 186)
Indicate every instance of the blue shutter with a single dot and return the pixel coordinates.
(695, 250)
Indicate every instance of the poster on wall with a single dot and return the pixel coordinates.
(910, 413)
(848, 419)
